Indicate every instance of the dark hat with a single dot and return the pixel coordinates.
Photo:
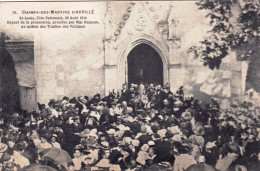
(5, 157)
(73, 100)
(20, 146)
(23, 137)
(156, 136)
(75, 117)
(97, 95)
(167, 85)
(184, 149)
(86, 97)
(46, 136)
(12, 137)
(65, 98)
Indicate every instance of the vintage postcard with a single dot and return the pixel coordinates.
(130, 85)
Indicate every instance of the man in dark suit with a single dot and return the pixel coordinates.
(159, 97)
(126, 94)
(150, 91)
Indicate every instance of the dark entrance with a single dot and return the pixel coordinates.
(144, 65)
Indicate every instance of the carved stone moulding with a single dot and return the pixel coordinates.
(152, 9)
(156, 16)
(109, 66)
(108, 40)
(12, 49)
(126, 16)
(175, 66)
(117, 32)
(165, 32)
(161, 23)
(121, 24)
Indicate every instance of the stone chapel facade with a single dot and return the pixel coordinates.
(170, 28)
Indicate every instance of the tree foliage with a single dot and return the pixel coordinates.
(229, 32)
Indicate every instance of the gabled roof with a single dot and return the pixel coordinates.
(15, 36)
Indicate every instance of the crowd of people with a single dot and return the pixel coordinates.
(136, 128)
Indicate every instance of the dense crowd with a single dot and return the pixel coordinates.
(137, 128)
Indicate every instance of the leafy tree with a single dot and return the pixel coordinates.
(229, 32)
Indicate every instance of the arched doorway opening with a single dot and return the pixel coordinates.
(144, 65)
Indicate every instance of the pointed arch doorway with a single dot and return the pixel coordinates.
(144, 65)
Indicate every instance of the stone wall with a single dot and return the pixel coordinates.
(71, 62)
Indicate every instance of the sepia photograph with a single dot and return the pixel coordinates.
(130, 85)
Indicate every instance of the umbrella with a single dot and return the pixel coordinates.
(57, 156)
(200, 167)
(156, 167)
(38, 167)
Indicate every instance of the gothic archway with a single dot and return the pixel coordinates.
(128, 45)
(144, 65)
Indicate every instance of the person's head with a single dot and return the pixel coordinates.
(159, 87)
(118, 120)
(43, 139)
(106, 153)
(51, 103)
(92, 107)
(143, 129)
(76, 119)
(103, 139)
(19, 147)
(165, 102)
(77, 153)
(83, 99)
(92, 139)
(132, 162)
(251, 137)
(27, 122)
(119, 93)
(111, 132)
(231, 139)
(54, 138)
(97, 97)
(132, 89)
(165, 90)
(124, 86)
(11, 141)
(83, 141)
(113, 105)
(26, 143)
(8, 166)
(124, 104)
(64, 107)
(151, 151)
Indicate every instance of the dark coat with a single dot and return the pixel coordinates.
(126, 95)
(159, 97)
(80, 107)
(163, 152)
